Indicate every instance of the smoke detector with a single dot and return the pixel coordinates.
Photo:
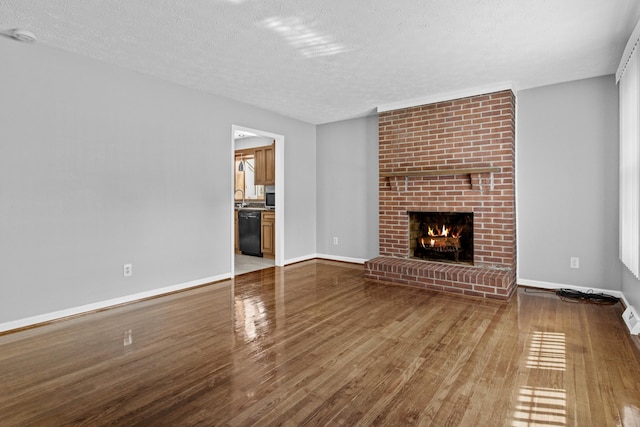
(23, 35)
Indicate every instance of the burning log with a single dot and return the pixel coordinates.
(439, 242)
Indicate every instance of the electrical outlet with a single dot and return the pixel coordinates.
(574, 262)
(127, 270)
(335, 240)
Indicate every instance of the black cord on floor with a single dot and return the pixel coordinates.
(578, 296)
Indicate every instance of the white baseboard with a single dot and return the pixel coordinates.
(55, 315)
(550, 285)
(342, 258)
(300, 259)
(326, 256)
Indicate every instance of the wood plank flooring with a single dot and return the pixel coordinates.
(316, 344)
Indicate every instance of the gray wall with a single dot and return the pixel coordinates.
(567, 183)
(347, 159)
(100, 166)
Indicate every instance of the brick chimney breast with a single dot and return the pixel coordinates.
(451, 156)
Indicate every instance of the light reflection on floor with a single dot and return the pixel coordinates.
(547, 351)
(538, 406)
(248, 314)
(631, 416)
(542, 406)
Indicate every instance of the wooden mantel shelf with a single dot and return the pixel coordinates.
(435, 172)
(476, 181)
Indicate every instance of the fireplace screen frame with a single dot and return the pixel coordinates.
(448, 250)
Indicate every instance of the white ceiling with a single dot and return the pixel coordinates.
(327, 60)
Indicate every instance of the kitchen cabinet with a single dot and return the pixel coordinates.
(268, 234)
(265, 165)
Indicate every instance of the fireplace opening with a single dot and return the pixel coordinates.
(441, 236)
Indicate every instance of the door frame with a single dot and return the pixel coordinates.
(280, 193)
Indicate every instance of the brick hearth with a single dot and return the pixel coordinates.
(453, 156)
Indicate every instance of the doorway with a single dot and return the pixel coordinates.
(250, 195)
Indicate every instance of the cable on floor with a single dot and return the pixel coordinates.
(589, 296)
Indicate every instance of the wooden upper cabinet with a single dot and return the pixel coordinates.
(265, 164)
(270, 160)
(260, 172)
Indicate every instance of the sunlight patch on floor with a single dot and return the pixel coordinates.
(547, 351)
(539, 406)
(542, 406)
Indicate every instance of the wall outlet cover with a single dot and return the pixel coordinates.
(127, 270)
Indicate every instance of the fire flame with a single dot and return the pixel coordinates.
(443, 232)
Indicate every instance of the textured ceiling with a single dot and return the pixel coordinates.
(328, 60)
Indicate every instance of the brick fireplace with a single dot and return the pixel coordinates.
(452, 156)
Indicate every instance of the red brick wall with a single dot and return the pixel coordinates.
(472, 132)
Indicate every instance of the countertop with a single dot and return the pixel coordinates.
(248, 208)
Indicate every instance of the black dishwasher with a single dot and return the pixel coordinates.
(249, 232)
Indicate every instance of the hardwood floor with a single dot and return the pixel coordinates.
(316, 344)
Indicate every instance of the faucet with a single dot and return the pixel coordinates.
(243, 204)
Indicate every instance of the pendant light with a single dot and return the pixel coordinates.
(241, 165)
